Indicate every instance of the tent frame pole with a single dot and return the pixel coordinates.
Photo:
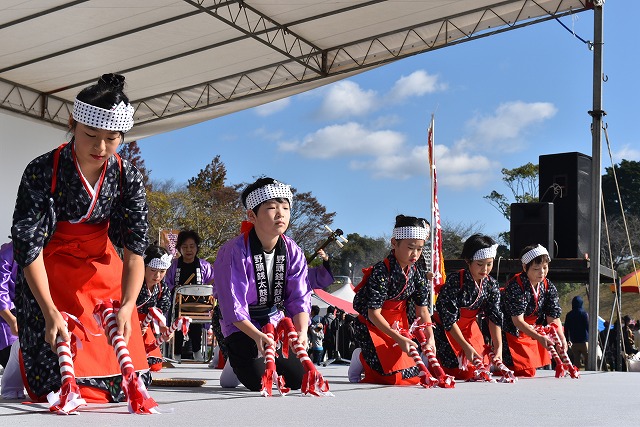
(596, 190)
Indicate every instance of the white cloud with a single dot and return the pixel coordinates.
(346, 139)
(504, 128)
(272, 107)
(417, 83)
(456, 170)
(626, 153)
(346, 99)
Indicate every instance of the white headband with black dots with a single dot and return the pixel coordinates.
(118, 119)
(412, 232)
(162, 263)
(533, 254)
(277, 190)
(485, 253)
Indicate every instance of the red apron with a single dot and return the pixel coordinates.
(84, 268)
(391, 357)
(526, 352)
(150, 346)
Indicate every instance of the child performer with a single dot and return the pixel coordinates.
(382, 301)
(72, 203)
(154, 293)
(255, 273)
(466, 294)
(528, 300)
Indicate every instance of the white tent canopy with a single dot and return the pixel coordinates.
(188, 61)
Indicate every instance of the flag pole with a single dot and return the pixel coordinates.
(432, 207)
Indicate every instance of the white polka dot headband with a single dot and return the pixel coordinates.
(485, 253)
(533, 254)
(119, 118)
(413, 232)
(276, 190)
(162, 263)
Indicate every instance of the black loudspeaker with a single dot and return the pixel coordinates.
(565, 180)
(531, 223)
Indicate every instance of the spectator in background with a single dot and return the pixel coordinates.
(636, 334)
(329, 342)
(189, 270)
(576, 325)
(316, 335)
(627, 337)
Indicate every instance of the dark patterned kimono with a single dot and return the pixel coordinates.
(160, 298)
(383, 286)
(40, 211)
(520, 299)
(466, 298)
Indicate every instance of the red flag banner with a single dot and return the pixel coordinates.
(437, 255)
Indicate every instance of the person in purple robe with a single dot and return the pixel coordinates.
(187, 270)
(8, 321)
(259, 274)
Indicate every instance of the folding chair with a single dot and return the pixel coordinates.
(195, 302)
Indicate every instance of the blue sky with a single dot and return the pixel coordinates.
(359, 145)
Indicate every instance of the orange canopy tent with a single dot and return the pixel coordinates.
(630, 283)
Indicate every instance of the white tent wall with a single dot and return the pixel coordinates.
(21, 140)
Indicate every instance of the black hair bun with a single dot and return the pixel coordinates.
(112, 81)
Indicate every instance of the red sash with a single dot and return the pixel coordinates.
(526, 352)
(470, 331)
(84, 268)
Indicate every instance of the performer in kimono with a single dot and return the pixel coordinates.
(154, 293)
(382, 301)
(73, 203)
(530, 299)
(256, 272)
(188, 269)
(465, 295)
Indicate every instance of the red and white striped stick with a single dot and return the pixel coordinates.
(564, 366)
(444, 380)
(426, 380)
(566, 361)
(154, 317)
(67, 400)
(481, 373)
(270, 376)
(312, 383)
(507, 375)
(138, 399)
(180, 323)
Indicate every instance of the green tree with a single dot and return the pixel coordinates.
(523, 183)
(360, 252)
(308, 216)
(628, 177)
(131, 152)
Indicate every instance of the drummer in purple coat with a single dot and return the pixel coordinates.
(258, 272)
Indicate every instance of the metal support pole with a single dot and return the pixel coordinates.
(596, 179)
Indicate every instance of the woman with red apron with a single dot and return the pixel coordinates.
(154, 294)
(382, 300)
(463, 297)
(529, 299)
(72, 203)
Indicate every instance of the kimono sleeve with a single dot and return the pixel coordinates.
(447, 303)
(422, 295)
(297, 294)
(377, 288)
(232, 283)
(34, 216)
(128, 224)
(515, 300)
(164, 303)
(492, 303)
(552, 302)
